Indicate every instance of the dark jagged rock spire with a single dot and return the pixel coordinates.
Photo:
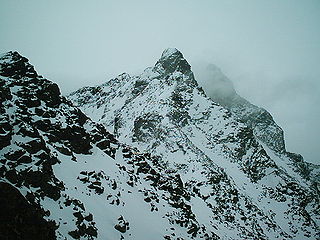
(172, 60)
(14, 65)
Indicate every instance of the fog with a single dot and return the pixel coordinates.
(269, 49)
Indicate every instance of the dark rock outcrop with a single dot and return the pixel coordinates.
(21, 220)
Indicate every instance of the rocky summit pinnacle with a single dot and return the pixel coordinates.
(172, 60)
(237, 182)
(169, 52)
(13, 65)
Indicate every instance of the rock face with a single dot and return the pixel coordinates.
(21, 220)
(230, 156)
(199, 174)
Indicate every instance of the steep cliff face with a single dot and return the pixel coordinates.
(231, 155)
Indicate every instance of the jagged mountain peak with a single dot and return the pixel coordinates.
(77, 176)
(13, 65)
(172, 60)
(208, 178)
(170, 53)
(11, 55)
(164, 112)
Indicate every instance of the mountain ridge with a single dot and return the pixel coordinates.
(92, 185)
(257, 118)
(148, 127)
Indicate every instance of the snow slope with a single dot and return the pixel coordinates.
(77, 174)
(246, 189)
(179, 166)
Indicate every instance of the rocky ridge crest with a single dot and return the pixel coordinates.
(165, 112)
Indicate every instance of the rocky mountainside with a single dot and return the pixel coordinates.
(230, 158)
(72, 178)
(265, 129)
(260, 120)
(199, 173)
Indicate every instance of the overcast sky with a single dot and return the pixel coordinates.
(270, 49)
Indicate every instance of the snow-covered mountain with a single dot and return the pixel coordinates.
(157, 159)
(220, 89)
(163, 111)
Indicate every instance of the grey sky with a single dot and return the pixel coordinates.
(269, 49)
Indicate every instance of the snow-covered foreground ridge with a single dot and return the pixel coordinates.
(199, 172)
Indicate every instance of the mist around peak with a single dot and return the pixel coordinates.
(215, 84)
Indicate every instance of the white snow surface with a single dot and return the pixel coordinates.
(210, 178)
(169, 116)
